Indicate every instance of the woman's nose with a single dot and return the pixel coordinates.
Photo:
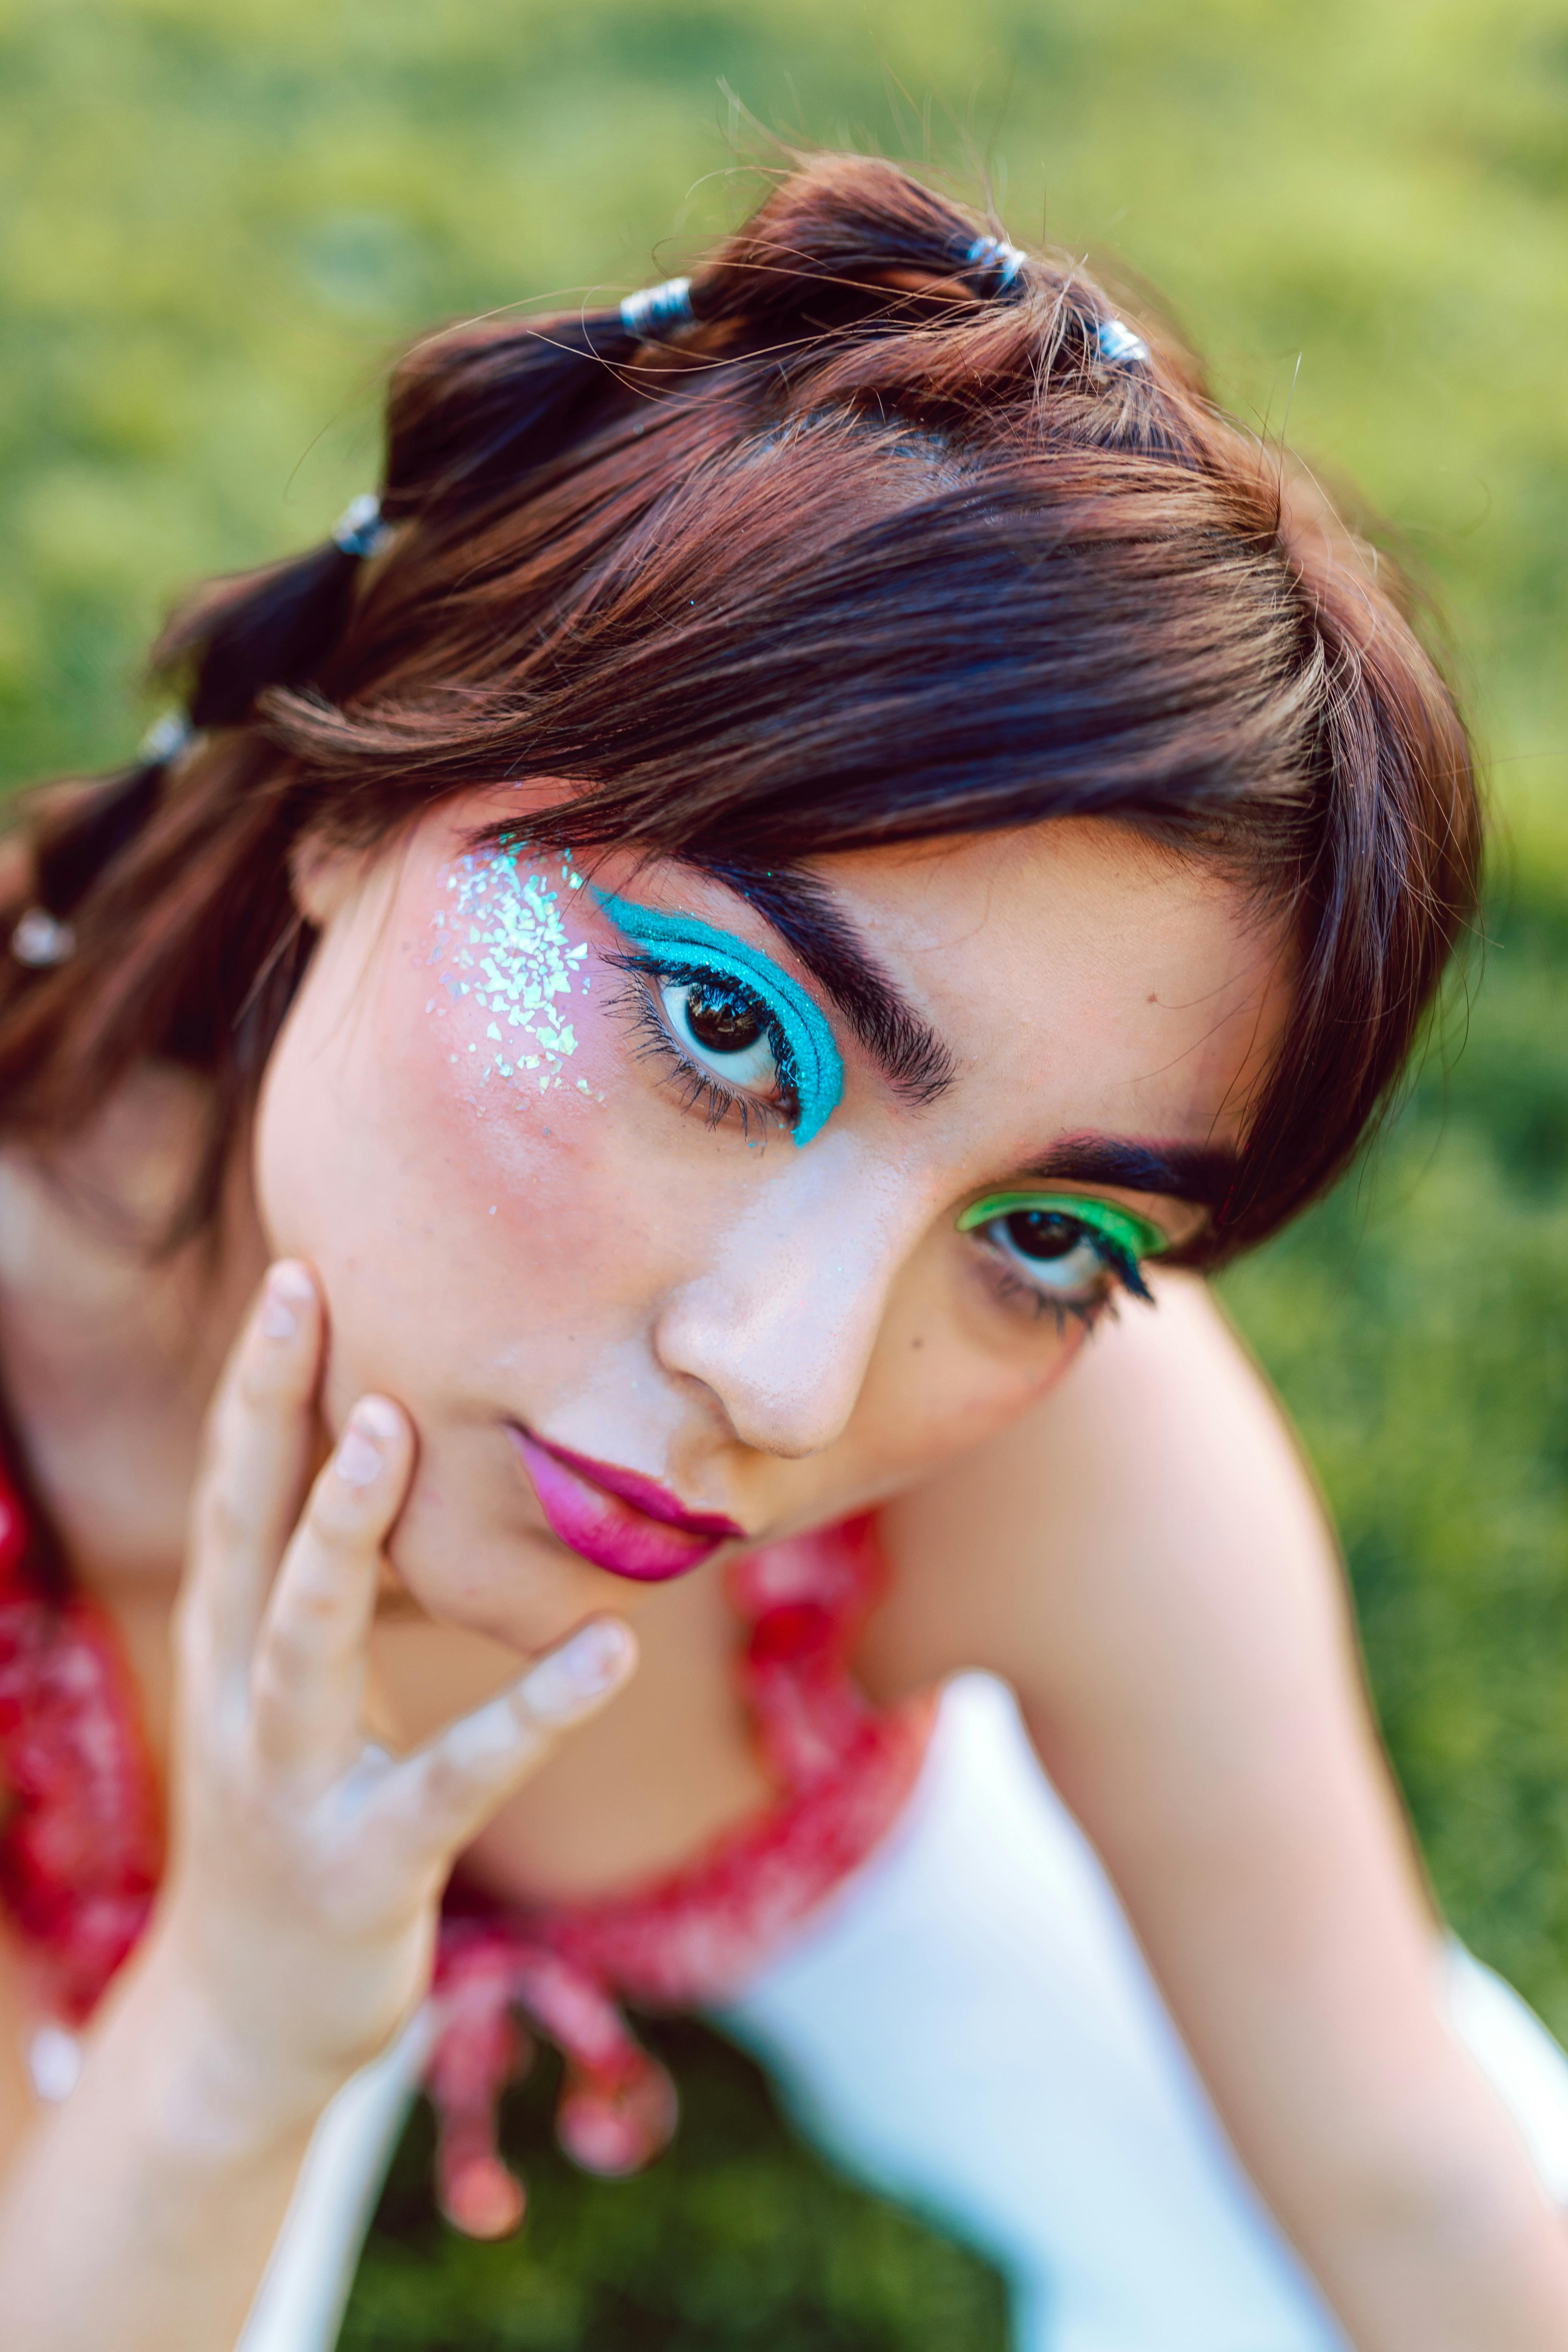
(781, 1321)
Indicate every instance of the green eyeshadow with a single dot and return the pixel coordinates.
(1135, 1237)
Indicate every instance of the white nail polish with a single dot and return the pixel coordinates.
(278, 1321)
(592, 1660)
(359, 1457)
(289, 1288)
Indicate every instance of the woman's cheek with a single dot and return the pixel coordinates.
(463, 1554)
(950, 1372)
(519, 1065)
(510, 974)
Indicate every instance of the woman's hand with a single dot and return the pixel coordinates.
(308, 1863)
(296, 1927)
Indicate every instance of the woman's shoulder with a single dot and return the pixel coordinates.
(1162, 1436)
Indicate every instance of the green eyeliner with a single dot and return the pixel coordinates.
(1134, 1237)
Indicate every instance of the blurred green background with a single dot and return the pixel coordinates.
(222, 215)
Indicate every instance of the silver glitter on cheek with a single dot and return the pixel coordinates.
(507, 955)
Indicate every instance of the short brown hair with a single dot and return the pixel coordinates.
(901, 535)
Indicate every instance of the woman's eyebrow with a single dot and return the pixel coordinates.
(1200, 1172)
(802, 911)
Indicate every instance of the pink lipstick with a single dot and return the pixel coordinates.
(617, 1518)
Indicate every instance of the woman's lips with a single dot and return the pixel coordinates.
(617, 1518)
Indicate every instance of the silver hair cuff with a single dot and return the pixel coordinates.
(658, 310)
(164, 740)
(1119, 345)
(41, 940)
(359, 529)
(996, 253)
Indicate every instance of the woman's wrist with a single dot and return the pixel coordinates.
(208, 2090)
(142, 2210)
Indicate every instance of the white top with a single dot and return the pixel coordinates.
(298, 2306)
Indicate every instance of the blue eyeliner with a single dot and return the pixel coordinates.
(815, 1069)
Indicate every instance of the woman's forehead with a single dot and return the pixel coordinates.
(1077, 956)
(1080, 903)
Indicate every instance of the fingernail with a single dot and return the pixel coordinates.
(363, 1447)
(592, 1660)
(289, 1288)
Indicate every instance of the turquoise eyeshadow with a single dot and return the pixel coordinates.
(818, 1069)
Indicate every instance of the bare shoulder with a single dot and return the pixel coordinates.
(1161, 1452)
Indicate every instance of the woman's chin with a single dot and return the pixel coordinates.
(525, 1590)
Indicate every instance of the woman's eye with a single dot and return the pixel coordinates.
(725, 1029)
(1056, 1254)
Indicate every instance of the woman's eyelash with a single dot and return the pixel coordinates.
(1123, 1267)
(1041, 1303)
(1122, 1273)
(1085, 1311)
(702, 1089)
(698, 1090)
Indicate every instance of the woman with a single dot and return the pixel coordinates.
(838, 836)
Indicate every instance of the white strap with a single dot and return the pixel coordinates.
(298, 2306)
(1525, 2066)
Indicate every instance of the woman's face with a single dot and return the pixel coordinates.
(542, 1151)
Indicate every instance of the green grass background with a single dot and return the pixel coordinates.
(219, 215)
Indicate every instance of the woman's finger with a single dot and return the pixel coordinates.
(444, 1793)
(308, 1678)
(257, 1456)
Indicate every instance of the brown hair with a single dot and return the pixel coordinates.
(898, 535)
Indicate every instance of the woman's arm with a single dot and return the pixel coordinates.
(1145, 1561)
(296, 1929)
